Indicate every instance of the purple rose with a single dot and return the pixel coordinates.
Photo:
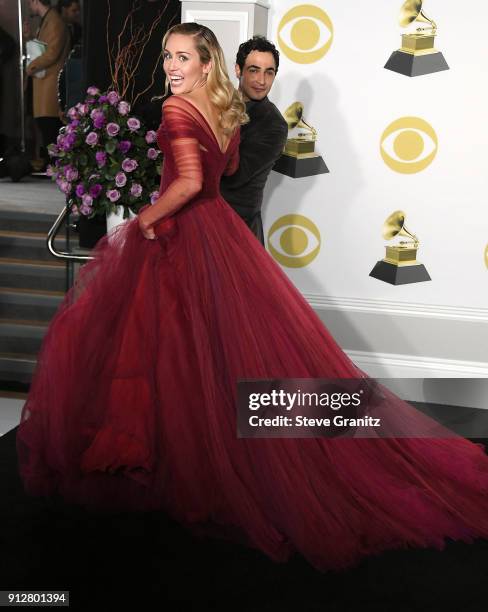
(154, 196)
(99, 120)
(74, 208)
(133, 124)
(152, 153)
(129, 165)
(53, 150)
(123, 107)
(113, 129)
(151, 136)
(66, 142)
(80, 189)
(50, 171)
(113, 97)
(65, 187)
(87, 200)
(113, 195)
(71, 174)
(136, 190)
(95, 190)
(120, 179)
(92, 139)
(101, 158)
(92, 90)
(124, 146)
(72, 113)
(82, 109)
(102, 99)
(86, 209)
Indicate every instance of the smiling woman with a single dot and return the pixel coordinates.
(194, 65)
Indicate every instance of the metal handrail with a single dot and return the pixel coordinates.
(52, 235)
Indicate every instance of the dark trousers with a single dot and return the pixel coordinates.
(49, 128)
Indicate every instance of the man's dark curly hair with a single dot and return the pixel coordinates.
(256, 43)
(66, 4)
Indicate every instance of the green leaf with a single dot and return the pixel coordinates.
(110, 146)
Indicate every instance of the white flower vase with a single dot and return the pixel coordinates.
(116, 218)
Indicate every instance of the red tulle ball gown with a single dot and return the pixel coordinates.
(133, 402)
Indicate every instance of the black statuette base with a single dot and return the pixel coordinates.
(416, 65)
(399, 275)
(297, 167)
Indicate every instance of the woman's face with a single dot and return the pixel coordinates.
(182, 64)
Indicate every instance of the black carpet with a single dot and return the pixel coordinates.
(147, 562)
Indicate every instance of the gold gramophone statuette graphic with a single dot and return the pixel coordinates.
(417, 54)
(400, 265)
(299, 158)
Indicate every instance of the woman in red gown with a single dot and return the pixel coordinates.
(133, 402)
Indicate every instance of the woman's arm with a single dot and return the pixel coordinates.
(188, 183)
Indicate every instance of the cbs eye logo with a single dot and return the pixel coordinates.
(294, 241)
(408, 145)
(305, 34)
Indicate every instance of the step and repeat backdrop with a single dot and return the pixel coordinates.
(403, 158)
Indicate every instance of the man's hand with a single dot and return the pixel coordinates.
(31, 68)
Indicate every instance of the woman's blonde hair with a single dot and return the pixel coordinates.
(220, 90)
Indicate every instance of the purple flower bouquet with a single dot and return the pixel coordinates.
(104, 157)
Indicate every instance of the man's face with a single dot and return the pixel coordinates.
(71, 14)
(33, 8)
(257, 76)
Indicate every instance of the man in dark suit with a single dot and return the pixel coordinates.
(262, 139)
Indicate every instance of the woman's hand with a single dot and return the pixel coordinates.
(145, 225)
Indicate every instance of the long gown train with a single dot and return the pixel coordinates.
(133, 401)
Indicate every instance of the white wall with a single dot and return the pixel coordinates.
(350, 98)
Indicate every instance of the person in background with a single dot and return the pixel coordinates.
(262, 139)
(71, 15)
(69, 79)
(7, 51)
(54, 33)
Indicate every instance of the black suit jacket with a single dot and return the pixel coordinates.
(262, 142)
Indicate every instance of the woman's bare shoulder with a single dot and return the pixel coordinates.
(179, 101)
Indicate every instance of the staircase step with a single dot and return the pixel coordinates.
(24, 304)
(16, 369)
(32, 276)
(20, 337)
(24, 245)
(16, 221)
